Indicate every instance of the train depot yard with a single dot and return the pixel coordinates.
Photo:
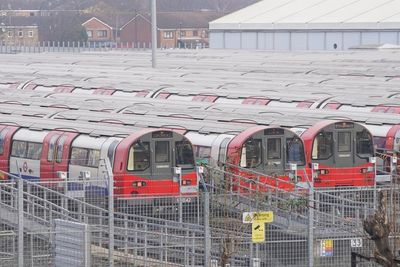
(214, 158)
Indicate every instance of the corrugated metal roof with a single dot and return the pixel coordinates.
(313, 14)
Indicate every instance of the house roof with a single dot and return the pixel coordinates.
(165, 20)
(313, 14)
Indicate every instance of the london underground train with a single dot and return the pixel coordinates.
(267, 150)
(54, 151)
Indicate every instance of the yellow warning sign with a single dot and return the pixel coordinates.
(260, 217)
(258, 232)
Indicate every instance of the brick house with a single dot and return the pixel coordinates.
(19, 31)
(175, 29)
(99, 31)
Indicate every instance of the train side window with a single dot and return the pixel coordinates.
(251, 153)
(162, 151)
(60, 148)
(203, 152)
(184, 154)
(222, 150)
(322, 146)
(52, 144)
(295, 151)
(19, 149)
(3, 134)
(344, 141)
(274, 148)
(364, 144)
(139, 156)
(93, 158)
(34, 151)
(79, 156)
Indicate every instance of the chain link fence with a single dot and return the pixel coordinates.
(76, 223)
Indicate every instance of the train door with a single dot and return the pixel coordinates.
(344, 149)
(48, 156)
(162, 158)
(62, 152)
(274, 156)
(6, 133)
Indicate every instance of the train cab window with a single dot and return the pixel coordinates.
(139, 156)
(52, 145)
(203, 152)
(344, 141)
(251, 153)
(18, 149)
(184, 154)
(60, 148)
(364, 144)
(322, 146)
(162, 151)
(34, 151)
(93, 158)
(3, 134)
(274, 148)
(295, 151)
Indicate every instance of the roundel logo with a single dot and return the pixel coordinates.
(25, 167)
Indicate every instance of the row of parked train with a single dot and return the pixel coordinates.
(144, 145)
(147, 122)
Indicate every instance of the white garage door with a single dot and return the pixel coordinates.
(351, 39)
(388, 38)
(298, 41)
(316, 41)
(216, 40)
(334, 41)
(249, 40)
(282, 41)
(232, 40)
(368, 38)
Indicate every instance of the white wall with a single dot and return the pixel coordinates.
(297, 41)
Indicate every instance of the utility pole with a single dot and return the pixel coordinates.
(153, 33)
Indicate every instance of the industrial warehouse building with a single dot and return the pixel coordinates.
(308, 25)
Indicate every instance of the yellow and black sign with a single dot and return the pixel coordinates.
(258, 232)
(260, 217)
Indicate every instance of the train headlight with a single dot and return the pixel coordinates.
(186, 182)
(323, 171)
(139, 184)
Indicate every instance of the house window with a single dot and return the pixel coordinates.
(168, 35)
(102, 33)
(10, 34)
(195, 33)
(20, 34)
(204, 34)
(30, 33)
(89, 34)
(183, 33)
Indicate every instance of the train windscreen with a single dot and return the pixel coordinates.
(184, 154)
(295, 151)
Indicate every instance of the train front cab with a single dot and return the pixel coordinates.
(342, 151)
(268, 151)
(145, 164)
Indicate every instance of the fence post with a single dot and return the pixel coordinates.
(20, 222)
(311, 205)
(207, 233)
(110, 211)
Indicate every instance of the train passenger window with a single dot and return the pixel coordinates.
(273, 148)
(79, 156)
(251, 153)
(295, 151)
(18, 149)
(3, 134)
(93, 158)
(364, 144)
(184, 154)
(52, 144)
(139, 156)
(344, 141)
(60, 148)
(222, 150)
(34, 151)
(162, 151)
(322, 146)
(203, 152)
